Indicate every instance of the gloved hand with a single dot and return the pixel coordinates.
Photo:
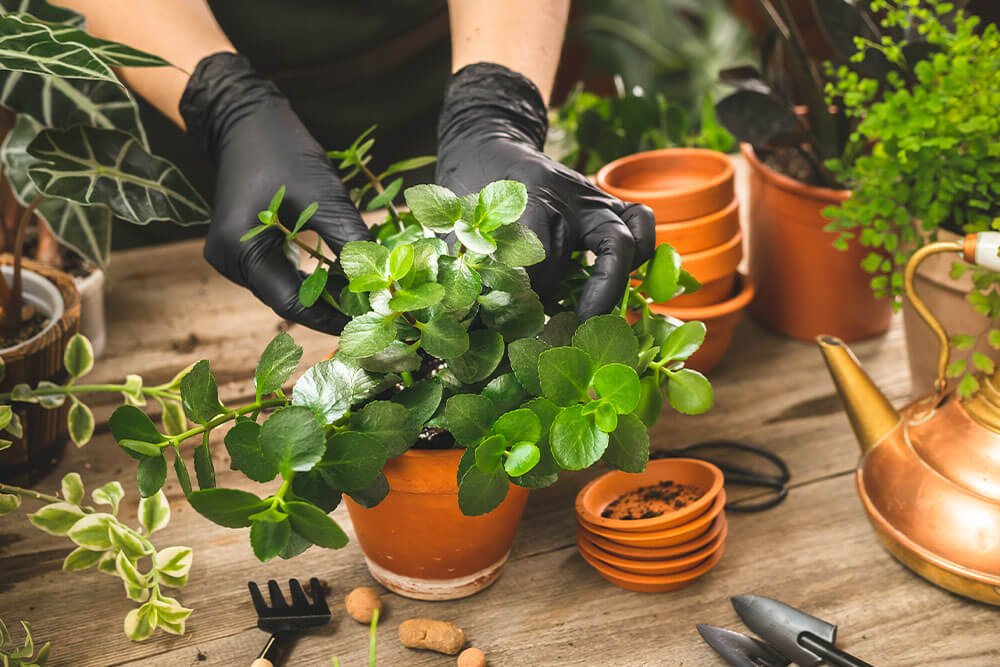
(258, 143)
(492, 127)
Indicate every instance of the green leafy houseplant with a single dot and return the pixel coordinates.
(76, 153)
(588, 130)
(925, 155)
(25, 655)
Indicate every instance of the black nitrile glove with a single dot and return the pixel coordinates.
(258, 143)
(493, 127)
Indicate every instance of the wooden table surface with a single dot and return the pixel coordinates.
(167, 308)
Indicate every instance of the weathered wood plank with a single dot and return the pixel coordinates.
(168, 308)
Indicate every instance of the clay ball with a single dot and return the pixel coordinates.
(362, 602)
(472, 657)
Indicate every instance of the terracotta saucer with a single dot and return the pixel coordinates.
(657, 553)
(650, 584)
(599, 493)
(653, 568)
(668, 537)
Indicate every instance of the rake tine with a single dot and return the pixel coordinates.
(299, 601)
(316, 588)
(258, 599)
(277, 599)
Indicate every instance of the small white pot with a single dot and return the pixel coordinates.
(92, 320)
(41, 294)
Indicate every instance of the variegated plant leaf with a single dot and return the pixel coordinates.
(115, 54)
(84, 229)
(97, 166)
(27, 45)
(43, 11)
(57, 102)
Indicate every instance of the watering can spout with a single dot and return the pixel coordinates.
(871, 415)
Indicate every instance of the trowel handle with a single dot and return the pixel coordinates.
(830, 653)
(980, 249)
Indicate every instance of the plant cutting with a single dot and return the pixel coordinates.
(74, 155)
(923, 164)
(805, 289)
(26, 655)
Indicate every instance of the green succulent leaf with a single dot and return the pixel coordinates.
(97, 166)
(607, 339)
(373, 494)
(560, 328)
(523, 355)
(421, 399)
(650, 401)
(417, 297)
(435, 207)
(576, 441)
(331, 387)
(683, 341)
(518, 246)
(485, 352)
(71, 487)
(521, 425)
(129, 423)
(227, 507)
(662, 274)
(200, 394)
(204, 466)
(247, 453)
(469, 417)
(444, 337)
(500, 203)
(690, 393)
(501, 277)
(462, 283)
(480, 492)
(312, 487)
(313, 286)
(564, 374)
(515, 315)
(388, 423)
(397, 357)
(313, 524)
(605, 417)
(78, 358)
(618, 384)
(268, 538)
(368, 334)
(81, 423)
(151, 474)
(277, 363)
(523, 457)
(628, 447)
(489, 453)
(475, 239)
(505, 392)
(366, 265)
(291, 439)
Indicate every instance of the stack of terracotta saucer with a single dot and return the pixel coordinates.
(691, 193)
(655, 531)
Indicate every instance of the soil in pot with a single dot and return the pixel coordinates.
(32, 323)
(40, 358)
(417, 542)
(805, 286)
(646, 502)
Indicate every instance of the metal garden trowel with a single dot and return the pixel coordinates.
(739, 650)
(803, 639)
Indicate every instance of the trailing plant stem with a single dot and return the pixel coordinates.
(377, 184)
(14, 296)
(223, 418)
(73, 389)
(37, 495)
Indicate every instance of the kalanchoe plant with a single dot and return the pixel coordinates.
(76, 152)
(106, 543)
(25, 655)
(924, 155)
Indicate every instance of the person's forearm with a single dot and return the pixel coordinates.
(524, 35)
(179, 31)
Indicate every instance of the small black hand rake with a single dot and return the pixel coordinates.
(281, 618)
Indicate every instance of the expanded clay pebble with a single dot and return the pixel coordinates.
(362, 602)
(472, 657)
(432, 635)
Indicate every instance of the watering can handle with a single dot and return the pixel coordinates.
(980, 249)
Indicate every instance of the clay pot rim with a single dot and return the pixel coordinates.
(716, 262)
(715, 310)
(657, 553)
(701, 523)
(684, 562)
(684, 577)
(630, 194)
(789, 184)
(661, 470)
(705, 220)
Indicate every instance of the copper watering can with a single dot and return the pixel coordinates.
(929, 474)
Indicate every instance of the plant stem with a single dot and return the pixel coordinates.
(69, 390)
(223, 418)
(37, 495)
(372, 649)
(15, 298)
(377, 184)
(312, 252)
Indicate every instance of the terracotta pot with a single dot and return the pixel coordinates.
(691, 236)
(40, 358)
(806, 287)
(946, 299)
(720, 319)
(644, 583)
(667, 537)
(715, 269)
(657, 553)
(655, 568)
(595, 497)
(417, 542)
(677, 183)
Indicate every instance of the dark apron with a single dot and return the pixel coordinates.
(344, 64)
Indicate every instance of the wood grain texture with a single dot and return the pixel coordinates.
(167, 309)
